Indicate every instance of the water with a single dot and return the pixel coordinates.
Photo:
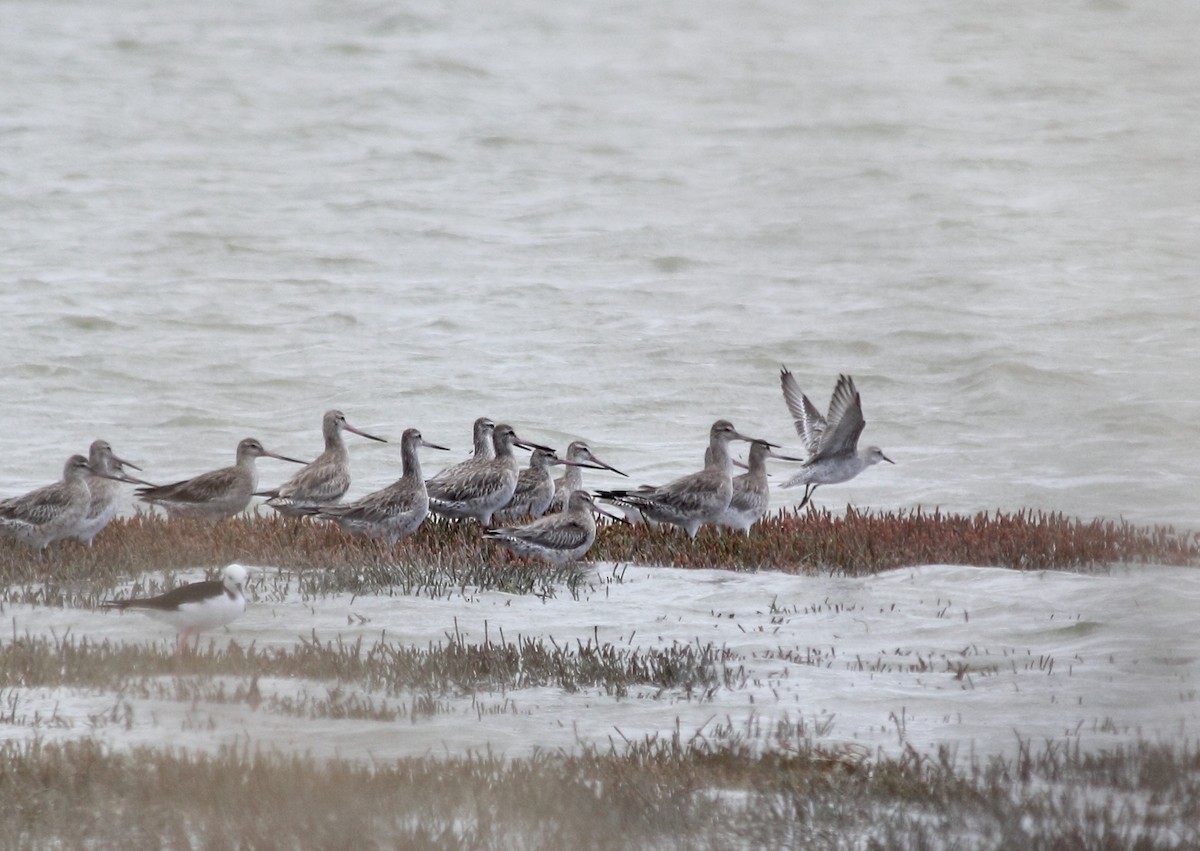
(972, 660)
(612, 221)
(615, 221)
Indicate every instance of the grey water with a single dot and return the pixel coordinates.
(610, 220)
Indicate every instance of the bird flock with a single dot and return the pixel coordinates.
(539, 516)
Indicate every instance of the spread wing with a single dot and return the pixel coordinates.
(845, 422)
(810, 425)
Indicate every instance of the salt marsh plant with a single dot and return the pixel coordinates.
(441, 554)
(661, 792)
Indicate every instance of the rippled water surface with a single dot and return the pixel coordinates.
(613, 220)
(616, 220)
(976, 660)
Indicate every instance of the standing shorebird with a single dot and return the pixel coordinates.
(482, 437)
(535, 486)
(479, 488)
(217, 494)
(572, 479)
(325, 480)
(195, 607)
(50, 513)
(394, 512)
(107, 470)
(557, 538)
(751, 492)
(691, 500)
(831, 441)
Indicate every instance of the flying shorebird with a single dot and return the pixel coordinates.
(217, 494)
(557, 538)
(535, 486)
(751, 492)
(325, 480)
(692, 500)
(395, 511)
(107, 470)
(572, 480)
(50, 513)
(195, 607)
(832, 440)
(479, 489)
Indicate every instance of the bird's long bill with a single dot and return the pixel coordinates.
(121, 477)
(121, 462)
(776, 455)
(885, 458)
(604, 465)
(283, 457)
(429, 445)
(525, 444)
(620, 518)
(362, 433)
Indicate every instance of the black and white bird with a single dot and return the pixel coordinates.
(195, 607)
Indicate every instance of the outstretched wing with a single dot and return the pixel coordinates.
(845, 422)
(810, 425)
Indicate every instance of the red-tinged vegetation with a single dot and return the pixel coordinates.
(856, 542)
(862, 542)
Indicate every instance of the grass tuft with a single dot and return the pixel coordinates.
(663, 792)
(453, 667)
(442, 556)
(867, 542)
